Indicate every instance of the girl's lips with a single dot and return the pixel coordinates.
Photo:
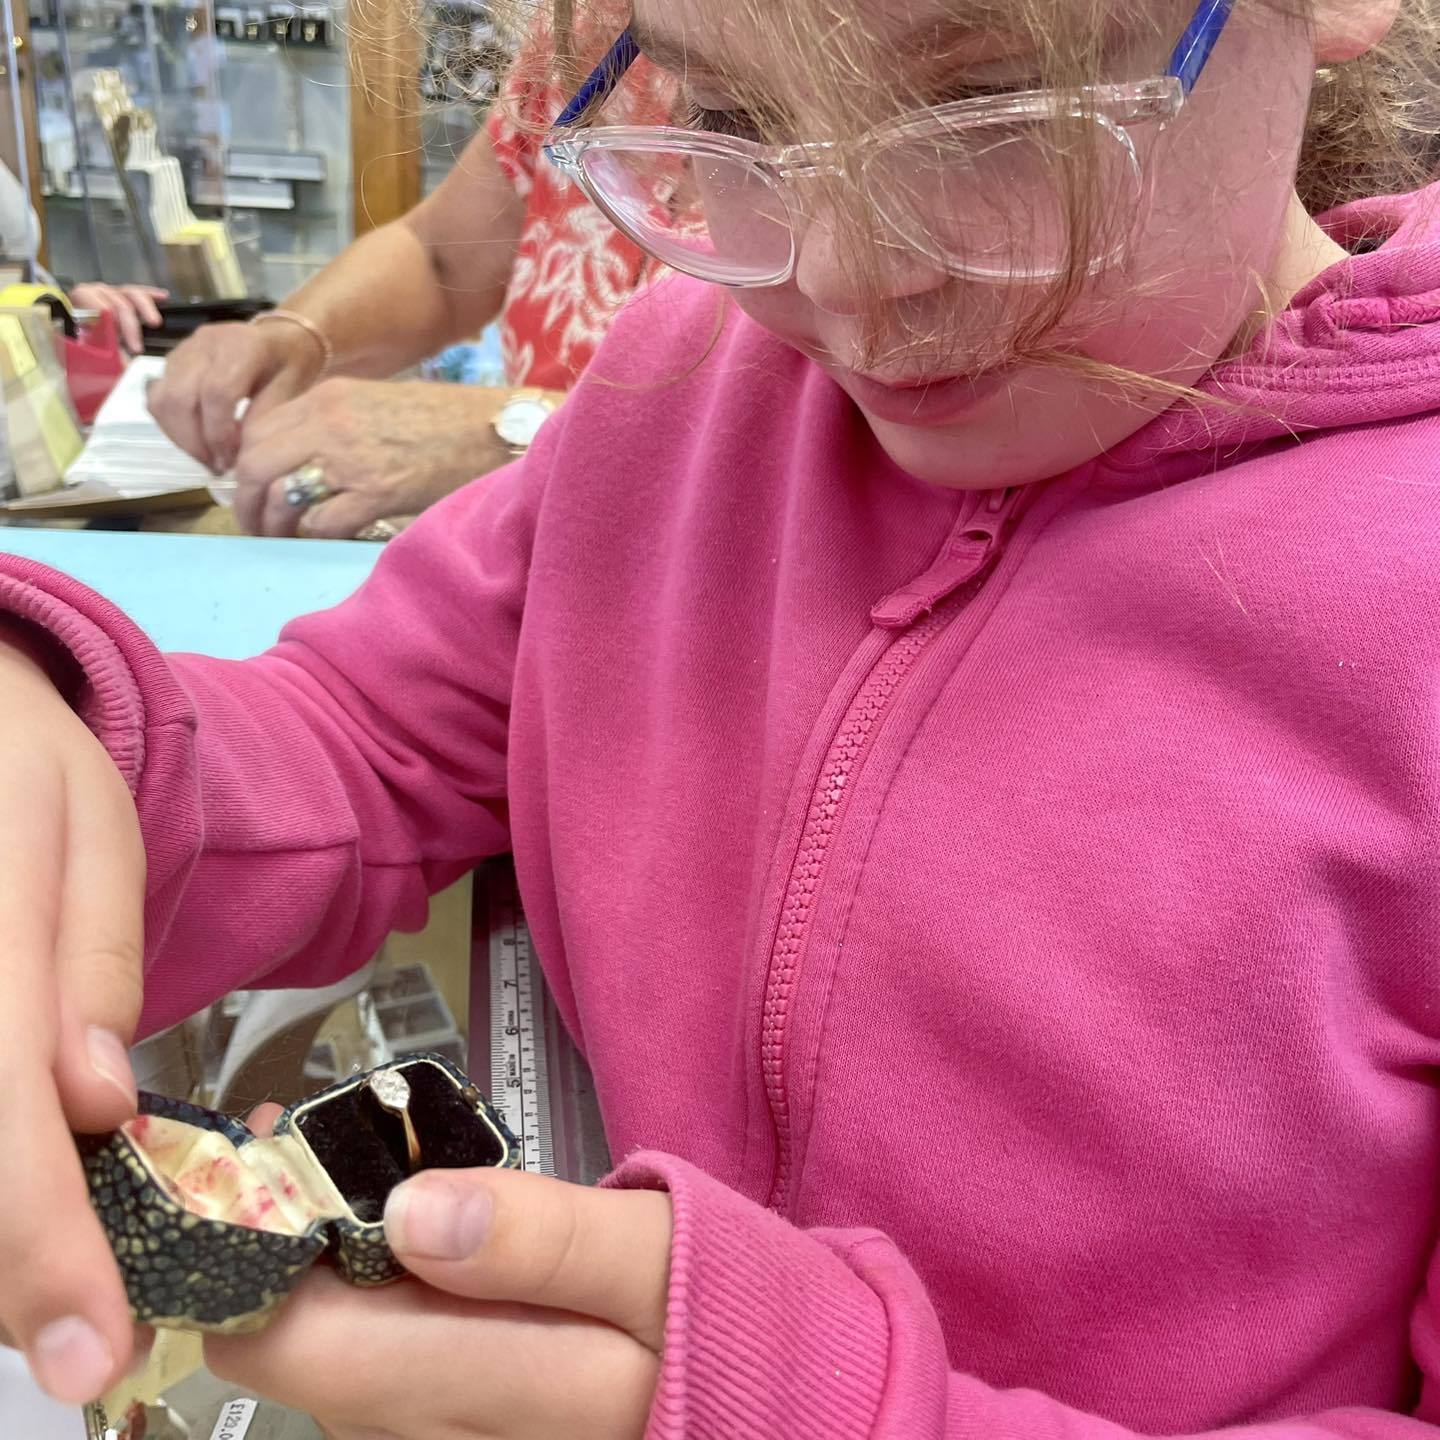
(924, 403)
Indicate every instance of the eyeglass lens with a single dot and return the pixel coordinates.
(707, 215)
(989, 201)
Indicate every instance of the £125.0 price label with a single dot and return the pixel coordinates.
(234, 1421)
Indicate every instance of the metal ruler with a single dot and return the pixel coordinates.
(519, 1073)
(538, 1081)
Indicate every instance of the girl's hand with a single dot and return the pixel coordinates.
(542, 1315)
(72, 882)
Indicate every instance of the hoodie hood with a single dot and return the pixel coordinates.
(1359, 344)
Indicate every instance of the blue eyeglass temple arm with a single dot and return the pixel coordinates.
(1187, 60)
(603, 79)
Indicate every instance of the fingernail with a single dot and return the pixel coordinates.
(71, 1360)
(437, 1220)
(111, 1061)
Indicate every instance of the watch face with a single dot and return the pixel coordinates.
(519, 421)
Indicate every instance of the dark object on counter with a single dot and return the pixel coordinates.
(213, 1227)
(181, 319)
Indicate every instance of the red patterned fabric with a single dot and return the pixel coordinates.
(573, 270)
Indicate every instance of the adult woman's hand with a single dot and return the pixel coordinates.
(541, 1315)
(384, 448)
(195, 400)
(71, 904)
(133, 307)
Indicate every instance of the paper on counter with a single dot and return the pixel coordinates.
(127, 465)
(127, 454)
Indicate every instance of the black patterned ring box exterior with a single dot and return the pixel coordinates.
(213, 1227)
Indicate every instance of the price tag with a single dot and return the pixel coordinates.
(234, 1421)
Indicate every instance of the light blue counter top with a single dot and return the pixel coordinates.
(218, 594)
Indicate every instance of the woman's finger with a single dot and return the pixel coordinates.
(174, 401)
(260, 472)
(279, 516)
(143, 298)
(240, 372)
(343, 516)
(277, 452)
(119, 305)
(506, 1235)
(131, 305)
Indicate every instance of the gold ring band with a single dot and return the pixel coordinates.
(392, 1093)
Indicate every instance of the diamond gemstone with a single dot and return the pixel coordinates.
(391, 1089)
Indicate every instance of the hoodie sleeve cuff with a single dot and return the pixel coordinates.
(768, 1331)
(102, 663)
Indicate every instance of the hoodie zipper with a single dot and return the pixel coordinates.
(918, 612)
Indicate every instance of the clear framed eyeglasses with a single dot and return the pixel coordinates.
(975, 186)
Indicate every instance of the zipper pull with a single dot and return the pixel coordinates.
(974, 544)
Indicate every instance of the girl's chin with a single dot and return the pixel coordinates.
(967, 457)
(1016, 436)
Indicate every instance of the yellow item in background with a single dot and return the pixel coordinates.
(42, 436)
(216, 270)
(58, 429)
(16, 297)
(12, 337)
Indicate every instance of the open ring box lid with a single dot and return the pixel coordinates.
(213, 1226)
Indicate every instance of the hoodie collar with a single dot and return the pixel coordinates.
(1358, 344)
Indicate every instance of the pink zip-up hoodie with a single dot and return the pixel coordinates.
(1006, 924)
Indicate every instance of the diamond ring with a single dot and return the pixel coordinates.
(392, 1093)
(380, 530)
(306, 486)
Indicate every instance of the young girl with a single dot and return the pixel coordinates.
(969, 734)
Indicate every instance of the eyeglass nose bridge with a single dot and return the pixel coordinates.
(800, 165)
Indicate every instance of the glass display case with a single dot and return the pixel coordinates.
(465, 57)
(246, 107)
(253, 109)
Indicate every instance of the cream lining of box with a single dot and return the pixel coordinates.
(273, 1183)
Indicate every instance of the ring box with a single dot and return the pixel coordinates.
(213, 1226)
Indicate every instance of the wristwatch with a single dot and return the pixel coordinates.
(519, 419)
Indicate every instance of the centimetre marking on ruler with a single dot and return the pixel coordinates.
(518, 1079)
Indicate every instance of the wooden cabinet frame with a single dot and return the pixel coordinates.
(383, 46)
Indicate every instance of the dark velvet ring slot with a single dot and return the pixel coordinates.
(318, 1187)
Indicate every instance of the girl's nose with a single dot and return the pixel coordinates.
(827, 274)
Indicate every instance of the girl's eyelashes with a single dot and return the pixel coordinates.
(960, 91)
(743, 124)
(739, 123)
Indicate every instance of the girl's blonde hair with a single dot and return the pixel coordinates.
(1371, 127)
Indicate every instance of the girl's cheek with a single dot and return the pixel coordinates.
(783, 311)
